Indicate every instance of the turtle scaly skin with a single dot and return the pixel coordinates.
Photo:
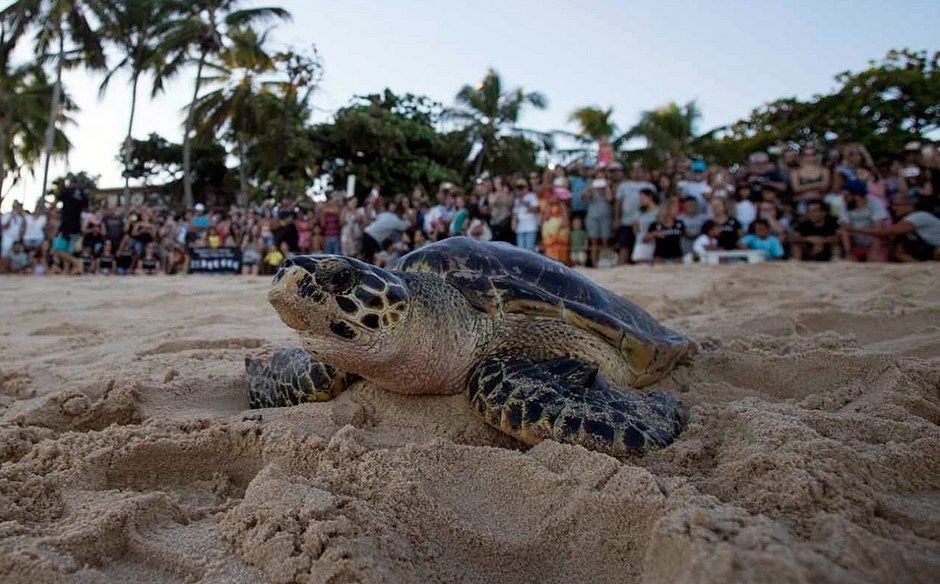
(540, 350)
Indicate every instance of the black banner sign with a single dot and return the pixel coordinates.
(221, 260)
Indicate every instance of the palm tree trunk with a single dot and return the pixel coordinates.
(187, 142)
(480, 157)
(3, 157)
(128, 143)
(53, 115)
(241, 198)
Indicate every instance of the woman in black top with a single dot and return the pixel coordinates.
(730, 229)
(106, 259)
(125, 257)
(149, 263)
(667, 234)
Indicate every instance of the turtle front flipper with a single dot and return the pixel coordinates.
(568, 401)
(291, 377)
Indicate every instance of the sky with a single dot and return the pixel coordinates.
(729, 56)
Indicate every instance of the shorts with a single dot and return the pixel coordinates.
(250, 257)
(32, 242)
(625, 237)
(919, 249)
(598, 227)
(579, 257)
(63, 244)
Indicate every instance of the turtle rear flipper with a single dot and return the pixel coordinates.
(290, 378)
(568, 401)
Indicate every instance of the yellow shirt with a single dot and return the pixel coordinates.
(274, 258)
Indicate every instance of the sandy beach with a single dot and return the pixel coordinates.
(812, 452)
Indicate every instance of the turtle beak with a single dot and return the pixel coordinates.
(284, 295)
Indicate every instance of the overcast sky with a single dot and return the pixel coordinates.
(730, 56)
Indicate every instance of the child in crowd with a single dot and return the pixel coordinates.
(707, 240)
(125, 258)
(578, 239)
(149, 264)
(106, 259)
(87, 257)
(761, 238)
(272, 259)
(20, 262)
(317, 243)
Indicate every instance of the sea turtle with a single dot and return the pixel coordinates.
(540, 350)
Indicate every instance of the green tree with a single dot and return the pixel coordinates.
(198, 32)
(133, 27)
(158, 162)
(594, 122)
(489, 112)
(25, 95)
(891, 102)
(242, 75)
(386, 140)
(670, 131)
(59, 23)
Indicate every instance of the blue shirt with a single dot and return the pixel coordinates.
(770, 246)
(578, 184)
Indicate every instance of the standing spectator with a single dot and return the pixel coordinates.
(854, 157)
(304, 225)
(500, 203)
(599, 216)
(627, 210)
(579, 242)
(695, 185)
(918, 231)
(729, 228)
(34, 231)
(12, 225)
(525, 215)
(461, 218)
(331, 221)
(864, 212)
(555, 226)
(809, 180)
(74, 199)
(762, 175)
(577, 183)
(817, 235)
(351, 234)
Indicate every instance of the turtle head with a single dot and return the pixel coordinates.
(340, 305)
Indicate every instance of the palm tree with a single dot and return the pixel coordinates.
(594, 123)
(25, 95)
(242, 74)
(201, 27)
(488, 110)
(132, 26)
(60, 22)
(670, 130)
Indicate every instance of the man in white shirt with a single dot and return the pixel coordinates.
(525, 211)
(35, 229)
(11, 229)
(695, 185)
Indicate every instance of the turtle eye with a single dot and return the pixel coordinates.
(338, 281)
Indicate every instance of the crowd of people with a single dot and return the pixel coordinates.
(803, 204)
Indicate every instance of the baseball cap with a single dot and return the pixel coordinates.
(699, 165)
(200, 207)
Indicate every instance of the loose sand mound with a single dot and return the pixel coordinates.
(812, 452)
